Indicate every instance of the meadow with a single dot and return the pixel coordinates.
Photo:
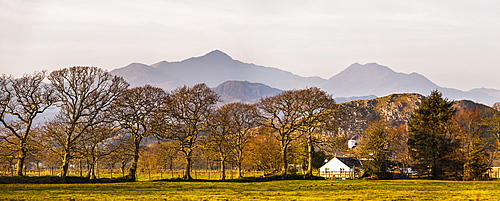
(270, 190)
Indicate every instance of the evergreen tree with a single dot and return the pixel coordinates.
(431, 143)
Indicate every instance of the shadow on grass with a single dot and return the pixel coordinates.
(76, 180)
(249, 179)
(56, 180)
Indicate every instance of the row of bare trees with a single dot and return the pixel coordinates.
(99, 116)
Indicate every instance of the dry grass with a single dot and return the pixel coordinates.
(273, 190)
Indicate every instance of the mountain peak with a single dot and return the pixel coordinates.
(364, 71)
(368, 67)
(217, 54)
(379, 80)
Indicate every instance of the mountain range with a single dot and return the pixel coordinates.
(364, 81)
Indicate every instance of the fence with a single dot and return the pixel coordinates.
(142, 174)
(340, 174)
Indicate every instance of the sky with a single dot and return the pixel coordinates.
(454, 43)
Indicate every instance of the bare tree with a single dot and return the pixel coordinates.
(189, 112)
(137, 111)
(475, 133)
(6, 157)
(95, 146)
(493, 122)
(319, 112)
(220, 139)
(121, 147)
(84, 92)
(21, 101)
(168, 150)
(282, 114)
(398, 137)
(235, 124)
(231, 126)
(264, 152)
(377, 148)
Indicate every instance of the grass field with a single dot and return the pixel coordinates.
(272, 190)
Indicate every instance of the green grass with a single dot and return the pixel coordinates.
(273, 190)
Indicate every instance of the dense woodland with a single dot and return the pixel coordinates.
(101, 122)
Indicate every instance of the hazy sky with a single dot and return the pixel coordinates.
(455, 43)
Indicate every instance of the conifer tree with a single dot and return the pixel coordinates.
(431, 142)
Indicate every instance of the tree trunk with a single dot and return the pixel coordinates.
(240, 174)
(172, 167)
(123, 169)
(310, 153)
(91, 171)
(223, 169)
(187, 169)
(80, 167)
(65, 166)
(284, 168)
(133, 167)
(21, 157)
(239, 161)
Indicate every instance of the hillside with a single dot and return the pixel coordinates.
(396, 108)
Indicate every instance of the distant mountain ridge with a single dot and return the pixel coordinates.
(357, 80)
(140, 74)
(217, 67)
(378, 80)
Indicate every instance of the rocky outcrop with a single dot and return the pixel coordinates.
(395, 108)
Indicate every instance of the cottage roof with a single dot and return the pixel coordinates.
(351, 162)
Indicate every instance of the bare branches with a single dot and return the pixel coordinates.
(137, 112)
(84, 93)
(21, 100)
(189, 112)
(231, 127)
(293, 113)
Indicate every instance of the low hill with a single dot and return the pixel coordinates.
(243, 91)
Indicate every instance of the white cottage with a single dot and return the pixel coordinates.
(341, 168)
(494, 171)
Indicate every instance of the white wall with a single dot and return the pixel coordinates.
(335, 165)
